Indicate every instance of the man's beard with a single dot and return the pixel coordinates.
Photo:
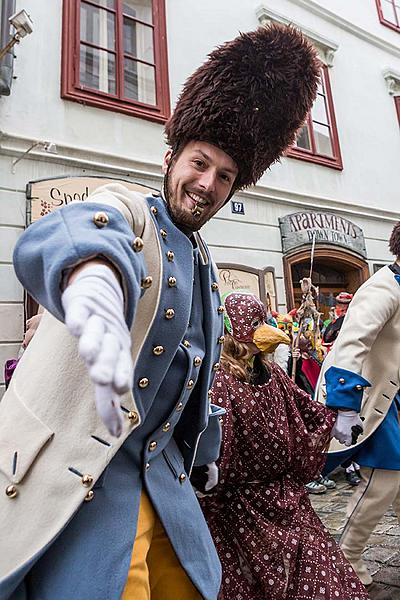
(187, 221)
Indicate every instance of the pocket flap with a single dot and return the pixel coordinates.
(22, 436)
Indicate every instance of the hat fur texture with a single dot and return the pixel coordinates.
(249, 98)
(394, 242)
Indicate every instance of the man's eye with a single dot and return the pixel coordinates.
(198, 163)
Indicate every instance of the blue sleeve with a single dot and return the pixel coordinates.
(344, 389)
(210, 440)
(68, 237)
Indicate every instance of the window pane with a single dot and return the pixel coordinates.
(97, 26)
(139, 82)
(322, 138)
(140, 9)
(319, 112)
(303, 138)
(97, 69)
(138, 40)
(388, 11)
(105, 3)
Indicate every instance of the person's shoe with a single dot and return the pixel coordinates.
(315, 488)
(328, 483)
(352, 478)
(378, 592)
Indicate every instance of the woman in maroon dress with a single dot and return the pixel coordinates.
(270, 542)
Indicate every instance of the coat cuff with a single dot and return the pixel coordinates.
(210, 441)
(344, 389)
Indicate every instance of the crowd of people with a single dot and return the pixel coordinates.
(137, 463)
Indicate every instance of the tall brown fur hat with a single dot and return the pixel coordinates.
(249, 98)
(394, 242)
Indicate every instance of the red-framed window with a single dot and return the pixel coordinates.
(397, 103)
(114, 56)
(389, 13)
(318, 140)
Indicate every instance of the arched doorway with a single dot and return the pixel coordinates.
(334, 271)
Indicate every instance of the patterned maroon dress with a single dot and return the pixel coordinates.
(271, 543)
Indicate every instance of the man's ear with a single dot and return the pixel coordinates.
(167, 160)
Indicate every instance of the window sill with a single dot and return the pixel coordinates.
(332, 163)
(134, 110)
(390, 25)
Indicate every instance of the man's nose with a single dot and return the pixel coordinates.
(207, 180)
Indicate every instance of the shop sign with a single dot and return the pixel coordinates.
(299, 229)
(260, 282)
(48, 195)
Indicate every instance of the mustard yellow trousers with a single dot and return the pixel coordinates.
(155, 572)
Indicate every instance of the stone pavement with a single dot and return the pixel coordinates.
(383, 551)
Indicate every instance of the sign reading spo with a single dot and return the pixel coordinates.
(298, 229)
(47, 195)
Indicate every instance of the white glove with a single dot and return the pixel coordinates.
(204, 479)
(342, 429)
(94, 313)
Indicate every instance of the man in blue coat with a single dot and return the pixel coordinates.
(98, 444)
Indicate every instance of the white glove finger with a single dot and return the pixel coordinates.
(103, 369)
(108, 408)
(212, 476)
(76, 316)
(91, 340)
(123, 375)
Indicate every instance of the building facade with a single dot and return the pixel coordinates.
(88, 92)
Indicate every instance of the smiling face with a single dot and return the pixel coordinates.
(200, 180)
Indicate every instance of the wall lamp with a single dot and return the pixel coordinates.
(49, 147)
(23, 25)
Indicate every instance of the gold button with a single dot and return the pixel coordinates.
(220, 419)
(341, 380)
(89, 496)
(172, 281)
(221, 339)
(216, 366)
(190, 384)
(169, 313)
(220, 310)
(157, 350)
(147, 466)
(166, 427)
(179, 406)
(87, 480)
(154, 210)
(137, 244)
(163, 233)
(100, 219)
(214, 286)
(146, 282)
(152, 446)
(170, 256)
(143, 383)
(359, 387)
(182, 477)
(186, 343)
(133, 416)
(197, 361)
(209, 393)
(11, 491)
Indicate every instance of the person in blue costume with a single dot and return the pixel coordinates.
(362, 377)
(108, 409)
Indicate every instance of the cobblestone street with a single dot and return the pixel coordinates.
(383, 551)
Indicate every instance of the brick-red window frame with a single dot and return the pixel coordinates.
(397, 103)
(71, 88)
(396, 13)
(312, 155)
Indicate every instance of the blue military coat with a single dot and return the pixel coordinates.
(89, 556)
